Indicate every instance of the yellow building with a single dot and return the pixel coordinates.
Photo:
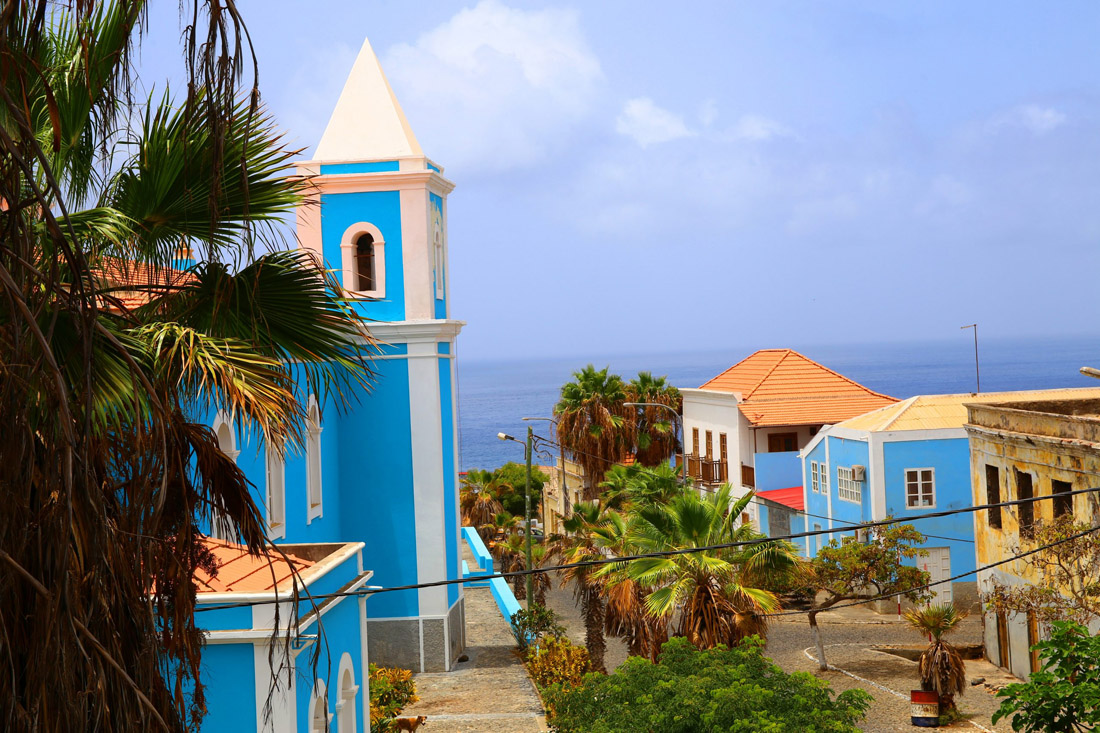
(1020, 450)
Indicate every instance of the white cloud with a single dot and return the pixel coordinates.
(495, 87)
(708, 112)
(755, 128)
(649, 124)
(1032, 117)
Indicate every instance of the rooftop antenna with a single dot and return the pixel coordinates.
(977, 374)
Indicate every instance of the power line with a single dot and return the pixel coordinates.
(686, 551)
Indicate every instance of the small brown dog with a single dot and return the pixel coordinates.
(411, 724)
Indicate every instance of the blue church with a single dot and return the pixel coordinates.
(373, 498)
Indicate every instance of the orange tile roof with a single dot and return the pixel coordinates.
(783, 387)
(144, 278)
(243, 573)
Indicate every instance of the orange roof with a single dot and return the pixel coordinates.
(783, 387)
(146, 280)
(243, 573)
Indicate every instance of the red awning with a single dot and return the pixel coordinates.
(791, 497)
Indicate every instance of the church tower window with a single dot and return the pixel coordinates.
(364, 262)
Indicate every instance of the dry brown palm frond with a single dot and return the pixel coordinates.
(942, 669)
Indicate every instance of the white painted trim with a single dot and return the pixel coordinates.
(283, 703)
(895, 436)
(346, 668)
(851, 480)
(711, 397)
(364, 657)
(383, 180)
(319, 694)
(330, 603)
(876, 472)
(829, 489)
(310, 576)
(411, 331)
(425, 416)
(314, 479)
(312, 167)
(348, 266)
(274, 491)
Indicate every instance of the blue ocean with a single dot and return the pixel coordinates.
(495, 395)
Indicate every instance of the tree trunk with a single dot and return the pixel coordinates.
(593, 629)
(519, 587)
(822, 664)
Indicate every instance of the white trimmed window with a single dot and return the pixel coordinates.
(823, 478)
(815, 485)
(319, 717)
(437, 240)
(920, 488)
(846, 488)
(345, 705)
(363, 260)
(276, 492)
(227, 444)
(313, 461)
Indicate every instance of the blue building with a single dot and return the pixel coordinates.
(375, 489)
(903, 460)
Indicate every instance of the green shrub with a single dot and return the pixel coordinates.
(689, 691)
(391, 690)
(556, 660)
(529, 625)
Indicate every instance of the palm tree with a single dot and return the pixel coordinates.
(580, 545)
(593, 425)
(655, 430)
(717, 595)
(634, 485)
(941, 665)
(112, 358)
(478, 501)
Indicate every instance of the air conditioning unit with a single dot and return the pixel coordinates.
(862, 535)
(859, 473)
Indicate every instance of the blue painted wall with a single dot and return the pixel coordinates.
(341, 634)
(842, 452)
(382, 209)
(375, 472)
(950, 458)
(777, 470)
(373, 166)
(229, 673)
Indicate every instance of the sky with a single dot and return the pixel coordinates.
(639, 177)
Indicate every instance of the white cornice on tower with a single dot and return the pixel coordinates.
(367, 123)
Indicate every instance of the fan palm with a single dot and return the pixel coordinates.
(655, 431)
(478, 501)
(941, 666)
(717, 595)
(594, 426)
(636, 485)
(580, 544)
(111, 359)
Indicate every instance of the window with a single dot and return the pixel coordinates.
(276, 492)
(782, 442)
(722, 446)
(364, 262)
(846, 488)
(823, 470)
(313, 460)
(227, 444)
(1025, 490)
(1063, 505)
(815, 486)
(920, 488)
(345, 705)
(318, 708)
(816, 538)
(710, 445)
(993, 496)
(437, 237)
(695, 441)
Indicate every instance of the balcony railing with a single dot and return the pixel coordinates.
(706, 470)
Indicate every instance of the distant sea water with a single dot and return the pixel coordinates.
(495, 395)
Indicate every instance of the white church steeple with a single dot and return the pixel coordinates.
(367, 123)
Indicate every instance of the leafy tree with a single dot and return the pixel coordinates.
(594, 427)
(850, 570)
(1063, 696)
(1067, 573)
(722, 689)
(636, 484)
(655, 431)
(514, 475)
(110, 356)
(717, 596)
(941, 666)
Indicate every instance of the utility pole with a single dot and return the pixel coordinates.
(527, 519)
(977, 374)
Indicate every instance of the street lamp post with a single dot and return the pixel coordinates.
(564, 488)
(675, 416)
(529, 580)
